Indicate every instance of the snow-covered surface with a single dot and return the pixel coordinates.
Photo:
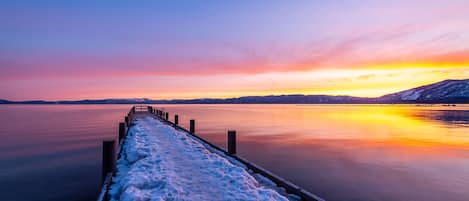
(444, 91)
(411, 94)
(161, 163)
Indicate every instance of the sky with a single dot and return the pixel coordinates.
(67, 50)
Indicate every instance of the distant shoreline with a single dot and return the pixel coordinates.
(444, 92)
(402, 103)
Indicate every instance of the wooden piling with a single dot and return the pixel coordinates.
(232, 142)
(192, 126)
(176, 119)
(109, 157)
(127, 123)
(121, 131)
(167, 116)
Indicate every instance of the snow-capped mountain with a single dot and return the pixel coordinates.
(440, 92)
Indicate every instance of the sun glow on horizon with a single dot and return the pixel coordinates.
(365, 82)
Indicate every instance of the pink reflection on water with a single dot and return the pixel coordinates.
(52, 152)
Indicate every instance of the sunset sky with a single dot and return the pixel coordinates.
(63, 50)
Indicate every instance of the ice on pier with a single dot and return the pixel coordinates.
(159, 162)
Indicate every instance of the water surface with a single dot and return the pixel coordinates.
(349, 152)
(339, 152)
(53, 152)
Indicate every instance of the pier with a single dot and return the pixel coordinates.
(153, 155)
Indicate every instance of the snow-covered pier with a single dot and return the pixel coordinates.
(159, 160)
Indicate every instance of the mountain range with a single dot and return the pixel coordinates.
(447, 91)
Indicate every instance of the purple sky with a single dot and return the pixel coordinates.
(187, 49)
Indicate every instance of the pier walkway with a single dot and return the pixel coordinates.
(159, 160)
(160, 163)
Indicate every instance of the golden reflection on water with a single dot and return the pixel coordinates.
(397, 127)
(342, 121)
(411, 125)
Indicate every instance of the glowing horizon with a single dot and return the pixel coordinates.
(160, 50)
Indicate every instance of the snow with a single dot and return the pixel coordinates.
(159, 162)
(411, 94)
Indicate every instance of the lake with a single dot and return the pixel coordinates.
(339, 152)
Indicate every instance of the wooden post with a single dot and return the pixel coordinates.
(232, 142)
(176, 119)
(121, 131)
(109, 157)
(167, 116)
(127, 121)
(192, 126)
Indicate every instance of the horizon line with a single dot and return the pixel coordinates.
(225, 98)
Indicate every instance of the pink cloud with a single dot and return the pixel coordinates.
(391, 45)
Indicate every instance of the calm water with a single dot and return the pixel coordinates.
(339, 152)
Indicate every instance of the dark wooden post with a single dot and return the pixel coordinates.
(192, 126)
(121, 131)
(176, 119)
(127, 121)
(167, 116)
(109, 157)
(232, 142)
